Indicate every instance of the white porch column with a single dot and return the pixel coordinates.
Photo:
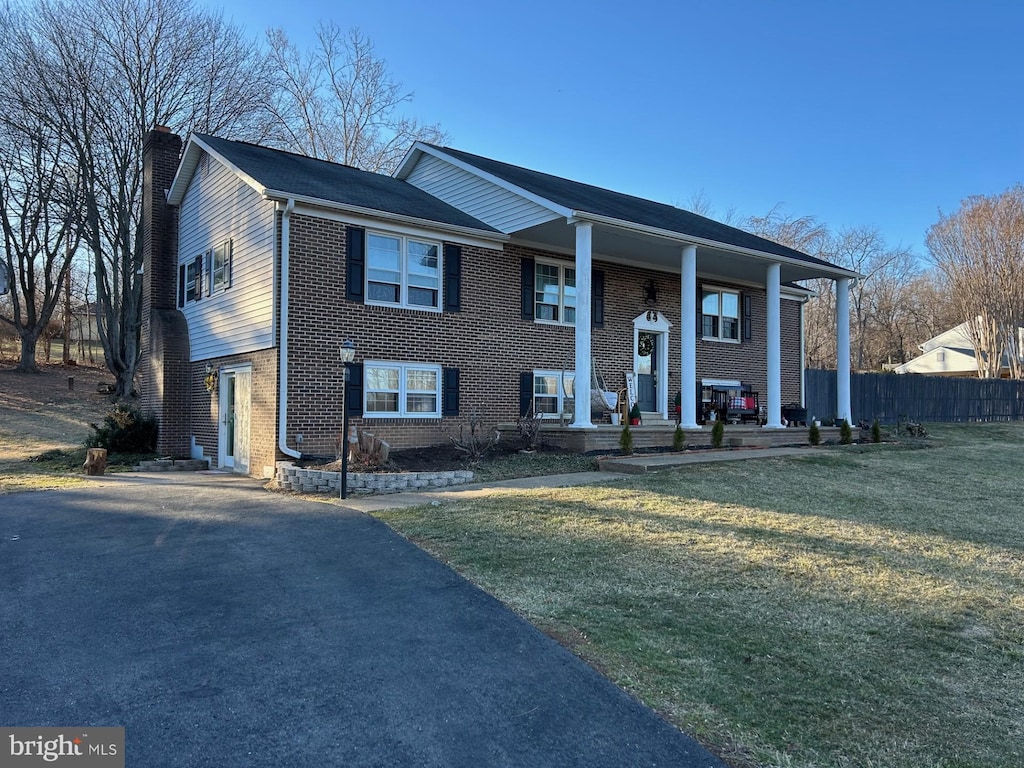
(584, 265)
(773, 287)
(688, 339)
(843, 410)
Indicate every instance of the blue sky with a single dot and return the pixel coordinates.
(866, 113)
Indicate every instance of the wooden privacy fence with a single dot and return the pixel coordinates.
(888, 396)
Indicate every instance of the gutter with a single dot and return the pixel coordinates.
(282, 367)
(315, 202)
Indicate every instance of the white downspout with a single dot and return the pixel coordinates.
(282, 389)
(803, 353)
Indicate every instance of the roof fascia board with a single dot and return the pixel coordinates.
(319, 207)
(177, 193)
(691, 240)
(183, 175)
(543, 202)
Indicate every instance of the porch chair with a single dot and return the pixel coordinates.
(602, 400)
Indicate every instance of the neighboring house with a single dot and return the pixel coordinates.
(468, 286)
(84, 325)
(951, 353)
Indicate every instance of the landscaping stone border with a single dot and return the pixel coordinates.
(293, 478)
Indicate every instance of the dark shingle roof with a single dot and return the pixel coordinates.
(307, 177)
(604, 202)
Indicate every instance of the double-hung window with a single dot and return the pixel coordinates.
(410, 390)
(554, 293)
(219, 266)
(720, 314)
(403, 271)
(553, 392)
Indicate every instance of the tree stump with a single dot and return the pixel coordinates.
(96, 461)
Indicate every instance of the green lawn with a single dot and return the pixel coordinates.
(862, 606)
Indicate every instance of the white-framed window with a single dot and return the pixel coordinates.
(554, 292)
(553, 392)
(218, 265)
(411, 390)
(720, 314)
(403, 271)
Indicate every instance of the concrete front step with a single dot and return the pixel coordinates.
(172, 465)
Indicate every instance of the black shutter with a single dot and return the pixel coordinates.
(527, 287)
(525, 392)
(199, 277)
(452, 280)
(745, 298)
(355, 264)
(700, 312)
(181, 285)
(450, 392)
(597, 298)
(354, 390)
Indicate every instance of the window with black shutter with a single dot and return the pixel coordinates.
(452, 278)
(355, 263)
(450, 392)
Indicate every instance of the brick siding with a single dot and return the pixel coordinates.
(487, 341)
(205, 422)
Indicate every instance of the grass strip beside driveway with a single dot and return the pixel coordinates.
(862, 606)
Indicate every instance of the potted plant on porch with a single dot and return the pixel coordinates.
(634, 414)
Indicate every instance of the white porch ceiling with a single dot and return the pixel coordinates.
(625, 246)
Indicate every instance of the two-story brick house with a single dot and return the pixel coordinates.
(467, 285)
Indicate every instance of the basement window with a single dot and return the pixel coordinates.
(411, 390)
(553, 393)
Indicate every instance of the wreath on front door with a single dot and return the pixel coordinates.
(645, 345)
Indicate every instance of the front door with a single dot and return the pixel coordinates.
(647, 371)
(235, 397)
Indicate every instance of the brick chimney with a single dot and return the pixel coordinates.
(164, 372)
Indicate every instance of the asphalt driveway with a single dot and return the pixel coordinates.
(223, 625)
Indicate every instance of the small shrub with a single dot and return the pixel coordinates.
(478, 442)
(876, 432)
(845, 433)
(717, 434)
(529, 429)
(626, 441)
(814, 434)
(124, 430)
(916, 429)
(678, 439)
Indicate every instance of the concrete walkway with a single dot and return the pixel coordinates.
(222, 625)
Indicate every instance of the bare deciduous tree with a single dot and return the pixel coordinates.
(879, 301)
(38, 197)
(806, 234)
(875, 298)
(339, 102)
(980, 251)
(105, 72)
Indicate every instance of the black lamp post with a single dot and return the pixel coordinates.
(348, 354)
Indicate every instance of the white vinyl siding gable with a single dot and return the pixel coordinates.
(504, 210)
(237, 317)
